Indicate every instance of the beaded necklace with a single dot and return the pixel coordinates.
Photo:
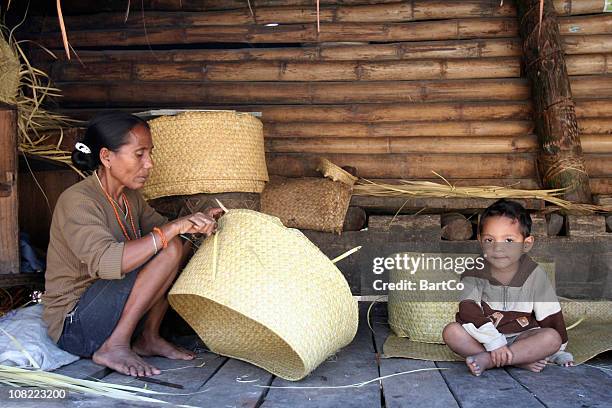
(128, 210)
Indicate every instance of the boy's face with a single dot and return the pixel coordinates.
(502, 241)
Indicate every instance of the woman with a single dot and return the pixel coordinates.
(111, 257)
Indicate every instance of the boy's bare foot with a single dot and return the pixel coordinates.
(478, 363)
(536, 366)
(123, 360)
(157, 346)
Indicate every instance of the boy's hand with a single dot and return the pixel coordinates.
(501, 356)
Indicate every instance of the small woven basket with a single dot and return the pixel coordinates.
(206, 152)
(423, 321)
(308, 203)
(265, 294)
(335, 173)
(9, 73)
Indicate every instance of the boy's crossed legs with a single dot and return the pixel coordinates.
(529, 350)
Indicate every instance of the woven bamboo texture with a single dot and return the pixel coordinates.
(308, 203)
(206, 152)
(423, 321)
(267, 295)
(9, 73)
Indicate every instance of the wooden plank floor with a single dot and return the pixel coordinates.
(213, 380)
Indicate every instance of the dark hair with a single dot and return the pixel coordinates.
(510, 209)
(108, 130)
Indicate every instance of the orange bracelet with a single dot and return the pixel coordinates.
(162, 237)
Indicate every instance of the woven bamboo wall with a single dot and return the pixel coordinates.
(396, 89)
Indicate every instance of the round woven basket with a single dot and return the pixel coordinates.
(9, 73)
(206, 152)
(423, 321)
(265, 294)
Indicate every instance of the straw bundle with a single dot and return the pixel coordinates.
(20, 377)
(408, 188)
(263, 293)
(308, 203)
(207, 152)
(27, 87)
(424, 320)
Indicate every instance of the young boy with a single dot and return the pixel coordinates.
(509, 313)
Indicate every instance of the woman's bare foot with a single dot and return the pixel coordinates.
(478, 363)
(123, 360)
(536, 366)
(157, 346)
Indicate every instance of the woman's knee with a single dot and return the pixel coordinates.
(452, 331)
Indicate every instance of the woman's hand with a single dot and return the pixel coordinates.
(214, 212)
(196, 223)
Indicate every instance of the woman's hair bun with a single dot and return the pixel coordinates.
(84, 161)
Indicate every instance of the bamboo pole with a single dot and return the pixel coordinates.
(596, 126)
(188, 93)
(560, 159)
(587, 44)
(503, 47)
(291, 33)
(325, 71)
(299, 14)
(453, 145)
(382, 145)
(481, 48)
(511, 165)
(563, 7)
(384, 112)
(396, 129)
(592, 64)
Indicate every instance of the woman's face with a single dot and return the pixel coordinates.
(132, 163)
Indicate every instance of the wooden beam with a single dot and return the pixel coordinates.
(9, 228)
(560, 159)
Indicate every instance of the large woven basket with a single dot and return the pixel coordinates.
(206, 152)
(423, 321)
(307, 203)
(265, 294)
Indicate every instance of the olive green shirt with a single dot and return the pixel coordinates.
(86, 244)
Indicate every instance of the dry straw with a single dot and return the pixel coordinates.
(207, 152)
(409, 188)
(269, 296)
(28, 88)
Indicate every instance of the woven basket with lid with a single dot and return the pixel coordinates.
(206, 152)
(266, 295)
